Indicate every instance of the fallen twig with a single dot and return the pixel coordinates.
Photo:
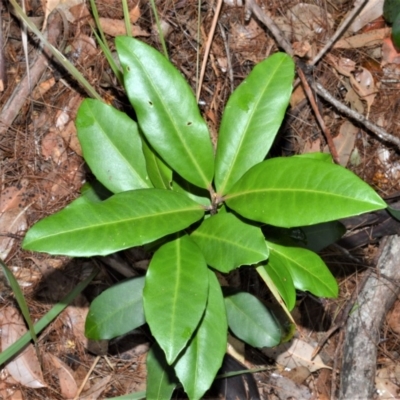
(364, 324)
(380, 132)
(14, 104)
(254, 8)
(358, 5)
(320, 120)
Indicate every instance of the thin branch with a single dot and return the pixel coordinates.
(208, 47)
(380, 132)
(320, 120)
(358, 5)
(255, 9)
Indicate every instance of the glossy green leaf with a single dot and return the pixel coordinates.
(251, 321)
(111, 146)
(391, 9)
(282, 279)
(326, 157)
(126, 219)
(197, 194)
(296, 191)
(394, 212)
(313, 237)
(306, 268)
(319, 236)
(161, 380)
(116, 311)
(252, 118)
(19, 296)
(95, 192)
(227, 242)
(167, 111)
(197, 367)
(175, 294)
(159, 172)
(396, 31)
(275, 292)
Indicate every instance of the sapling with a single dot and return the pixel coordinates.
(203, 215)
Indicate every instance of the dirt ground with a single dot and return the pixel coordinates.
(42, 170)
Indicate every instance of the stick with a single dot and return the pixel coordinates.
(380, 132)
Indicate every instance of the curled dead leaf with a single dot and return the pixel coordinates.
(116, 27)
(295, 353)
(25, 368)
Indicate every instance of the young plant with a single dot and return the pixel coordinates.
(203, 213)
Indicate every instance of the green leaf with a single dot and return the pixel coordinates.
(326, 157)
(227, 242)
(175, 294)
(161, 379)
(131, 396)
(111, 146)
(197, 194)
(23, 305)
(393, 212)
(159, 172)
(116, 311)
(319, 236)
(94, 192)
(396, 31)
(307, 269)
(313, 237)
(167, 111)
(197, 367)
(16, 347)
(251, 119)
(127, 219)
(296, 191)
(275, 292)
(391, 9)
(250, 321)
(281, 278)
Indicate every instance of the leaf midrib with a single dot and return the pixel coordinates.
(173, 122)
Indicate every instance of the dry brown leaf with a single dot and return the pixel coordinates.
(298, 375)
(372, 10)
(71, 138)
(12, 197)
(68, 385)
(135, 14)
(116, 27)
(304, 22)
(297, 96)
(371, 38)
(84, 50)
(294, 354)
(364, 85)
(11, 222)
(53, 147)
(387, 382)
(393, 318)
(43, 87)
(312, 147)
(25, 368)
(287, 389)
(390, 54)
(9, 392)
(96, 390)
(344, 142)
(48, 6)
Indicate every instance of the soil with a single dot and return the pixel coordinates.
(42, 169)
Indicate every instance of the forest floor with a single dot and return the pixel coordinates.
(42, 170)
